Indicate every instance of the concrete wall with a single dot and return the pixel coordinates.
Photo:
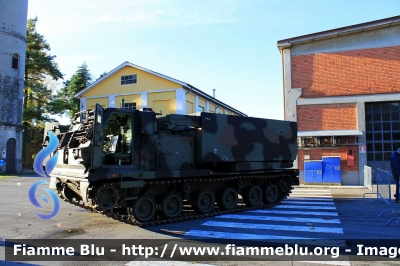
(376, 38)
(13, 20)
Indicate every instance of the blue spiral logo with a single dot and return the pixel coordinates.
(41, 156)
(38, 167)
(35, 202)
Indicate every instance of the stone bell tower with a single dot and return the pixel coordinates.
(13, 20)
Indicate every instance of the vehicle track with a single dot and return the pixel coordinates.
(121, 215)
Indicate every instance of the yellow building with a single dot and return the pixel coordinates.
(141, 87)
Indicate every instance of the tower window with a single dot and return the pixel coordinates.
(15, 61)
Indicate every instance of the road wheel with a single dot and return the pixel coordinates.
(252, 196)
(284, 184)
(171, 205)
(106, 197)
(271, 193)
(227, 199)
(204, 201)
(143, 209)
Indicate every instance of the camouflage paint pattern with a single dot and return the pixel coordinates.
(227, 138)
(173, 146)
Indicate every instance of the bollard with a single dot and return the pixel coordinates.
(368, 180)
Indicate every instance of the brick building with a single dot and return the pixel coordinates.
(342, 87)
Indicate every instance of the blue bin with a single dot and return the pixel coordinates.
(331, 170)
(1, 162)
(312, 171)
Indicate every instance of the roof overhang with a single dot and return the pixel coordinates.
(321, 133)
(367, 26)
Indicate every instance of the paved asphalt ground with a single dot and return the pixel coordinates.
(329, 213)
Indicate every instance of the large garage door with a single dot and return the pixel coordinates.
(383, 132)
(10, 156)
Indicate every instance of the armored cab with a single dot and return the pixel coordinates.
(151, 167)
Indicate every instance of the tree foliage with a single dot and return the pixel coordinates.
(41, 83)
(40, 71)
(102, 75)
(79, 81)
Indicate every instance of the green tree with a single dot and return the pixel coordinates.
(102, 75)
(40, 71)
(79, 81)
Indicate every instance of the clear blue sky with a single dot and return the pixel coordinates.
(229, 46)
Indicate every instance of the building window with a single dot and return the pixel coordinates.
(131, 79)
(131, 106)
(383, 130)
(15, 61)
(201, 108)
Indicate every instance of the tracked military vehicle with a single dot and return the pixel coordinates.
(143, 169)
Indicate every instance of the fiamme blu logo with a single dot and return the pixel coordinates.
(38, 167)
